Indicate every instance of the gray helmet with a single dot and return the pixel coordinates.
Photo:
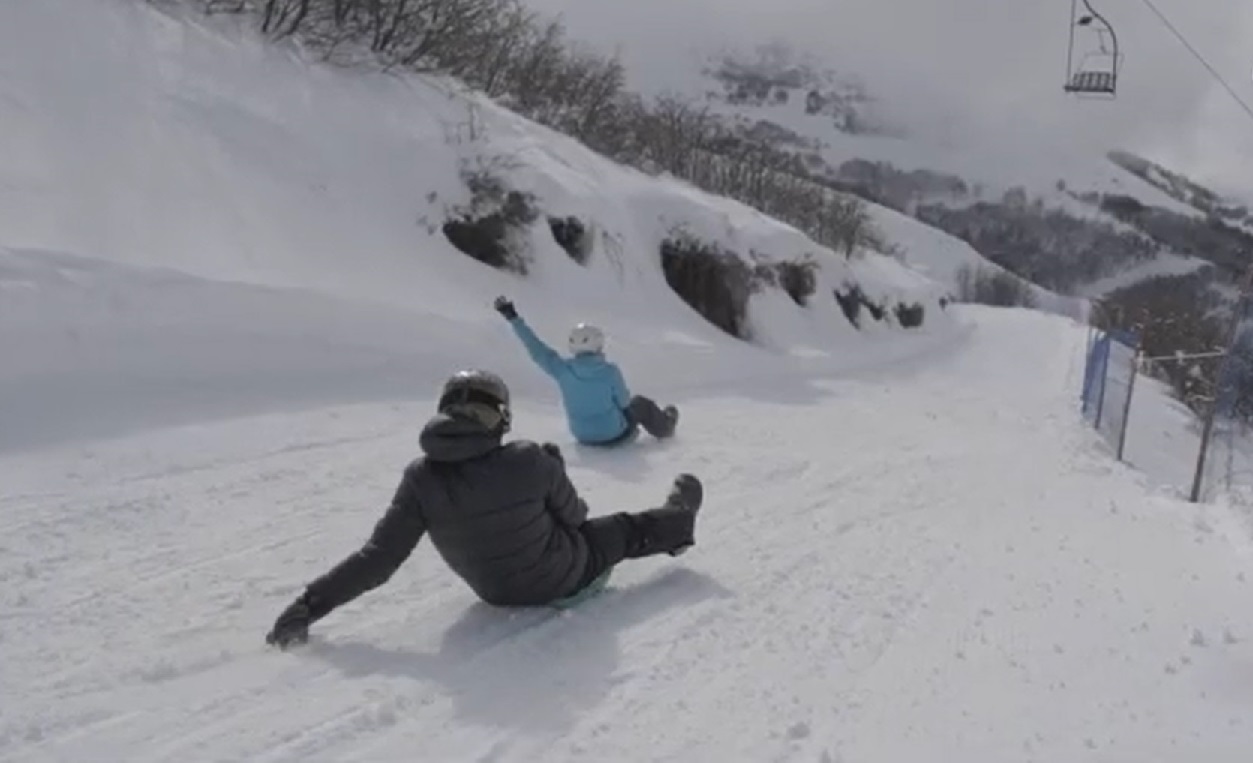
(479, 395)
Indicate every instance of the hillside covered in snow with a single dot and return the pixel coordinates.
(220, 181)
(1055, 189)
(1076, 221)
(232, 278)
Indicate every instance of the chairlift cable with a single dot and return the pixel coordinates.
(1197, 55)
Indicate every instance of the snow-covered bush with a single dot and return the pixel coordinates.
(909, 316)
(713, 282)
(850, 303)
(798, 279)
(572, 236)
(484, 229)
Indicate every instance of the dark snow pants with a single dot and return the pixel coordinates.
(643, 412)
(616, 537)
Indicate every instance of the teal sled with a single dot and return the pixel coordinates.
(588, 591)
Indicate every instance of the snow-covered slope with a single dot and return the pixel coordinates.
(996, 122)
(929, 562)
(974, 87)
(1164, 265)
(229, 158)
(95, 348)
(299, 208)
(943, 258)
(1051, 175)
(222, 323)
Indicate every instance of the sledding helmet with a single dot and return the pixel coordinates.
(585, 338)
(478, 395)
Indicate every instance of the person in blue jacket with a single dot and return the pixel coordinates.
(600, 410)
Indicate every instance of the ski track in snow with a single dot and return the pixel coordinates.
(931, 563)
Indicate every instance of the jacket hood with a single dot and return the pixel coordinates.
(448, 438)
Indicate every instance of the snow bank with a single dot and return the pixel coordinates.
(295, 212)
(95, 348)
(98, 348)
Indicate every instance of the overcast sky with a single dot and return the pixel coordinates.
(981, 69)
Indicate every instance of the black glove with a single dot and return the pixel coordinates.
(292, 627)
(505, 308)
(552, 450)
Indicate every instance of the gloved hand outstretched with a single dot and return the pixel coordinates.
(292, 626)
(505, 308)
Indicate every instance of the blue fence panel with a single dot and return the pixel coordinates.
(1094, 377)
(1108, 379)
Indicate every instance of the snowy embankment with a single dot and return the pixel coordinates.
(97, 349)
(295, 212)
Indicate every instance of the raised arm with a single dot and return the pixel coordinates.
(544, 356)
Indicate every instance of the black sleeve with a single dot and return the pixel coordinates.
(393, 540)
(562, 499)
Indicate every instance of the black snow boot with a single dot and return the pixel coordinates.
(686, 496)
(687, 492)
(669, 529)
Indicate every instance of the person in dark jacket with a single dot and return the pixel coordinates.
(600, 410)
(503, 516)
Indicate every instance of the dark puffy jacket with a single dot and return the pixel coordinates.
(505, 518)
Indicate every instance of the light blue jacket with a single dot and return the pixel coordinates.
(593, 391)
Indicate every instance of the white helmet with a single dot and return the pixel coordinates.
(586, 338)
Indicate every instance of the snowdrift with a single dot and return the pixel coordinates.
(297, 216)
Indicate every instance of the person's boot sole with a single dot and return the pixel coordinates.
(688, 492)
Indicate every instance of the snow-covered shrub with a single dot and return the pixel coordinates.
(877, 311)
(572, 236)
(909, 316)
(798, 279)
(713, 282)
(853, 299)
(850, 303)
(483, 229)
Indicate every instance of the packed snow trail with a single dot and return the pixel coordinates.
(929, 562)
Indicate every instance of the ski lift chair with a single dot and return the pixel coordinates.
(1096, 74)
